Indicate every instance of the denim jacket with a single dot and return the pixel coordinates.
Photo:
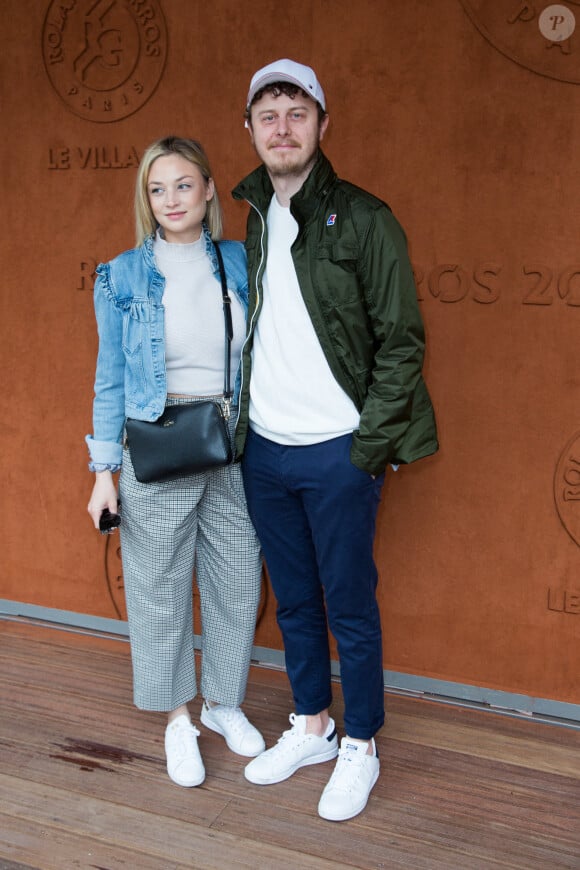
(130, 377)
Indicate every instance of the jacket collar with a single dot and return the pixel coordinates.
(257, 189)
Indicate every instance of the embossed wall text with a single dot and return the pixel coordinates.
(87, 274)
(532, 284)
(564, 601)
(93, 157)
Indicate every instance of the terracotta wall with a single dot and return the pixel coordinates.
(464, 117)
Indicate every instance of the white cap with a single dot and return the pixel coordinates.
(287, 71)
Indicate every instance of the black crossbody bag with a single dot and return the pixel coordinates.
(187, 438)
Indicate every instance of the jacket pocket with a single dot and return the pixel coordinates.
(136, 317)
(137, 350)
(336, 271)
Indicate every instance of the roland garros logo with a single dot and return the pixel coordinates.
(535, 35)
(104, 58)
(567, 488)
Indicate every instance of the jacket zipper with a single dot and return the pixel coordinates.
(255, 313)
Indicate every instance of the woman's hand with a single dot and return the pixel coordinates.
(104, 495)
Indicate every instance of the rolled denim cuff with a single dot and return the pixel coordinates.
(103, 466)
(104, 454)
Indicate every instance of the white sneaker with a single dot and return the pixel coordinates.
(294, 749)
(240, 735)
(184, 764)
(350, 785)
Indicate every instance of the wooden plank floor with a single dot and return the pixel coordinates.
(83, 783)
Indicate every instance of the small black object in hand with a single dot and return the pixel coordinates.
(108, 522)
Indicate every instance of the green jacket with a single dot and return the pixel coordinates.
(353, 268)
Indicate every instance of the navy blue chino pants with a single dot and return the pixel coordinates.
(315, 515)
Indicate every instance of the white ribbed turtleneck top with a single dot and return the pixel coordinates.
(194, 320)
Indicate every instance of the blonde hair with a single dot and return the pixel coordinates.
(145, 223)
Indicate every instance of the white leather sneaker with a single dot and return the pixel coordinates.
(293, 750)
(350, 785)
(240, 735)
(184, 764)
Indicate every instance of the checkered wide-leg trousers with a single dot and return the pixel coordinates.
(169, 529)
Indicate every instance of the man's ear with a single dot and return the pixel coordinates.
(323, 127)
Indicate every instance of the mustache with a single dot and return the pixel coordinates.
(285, 142)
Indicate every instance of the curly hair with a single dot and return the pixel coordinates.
(276, 89)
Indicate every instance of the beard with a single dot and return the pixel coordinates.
(294, 163)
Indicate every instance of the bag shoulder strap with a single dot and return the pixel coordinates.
(229, 328)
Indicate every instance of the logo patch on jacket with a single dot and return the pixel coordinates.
(331, 220)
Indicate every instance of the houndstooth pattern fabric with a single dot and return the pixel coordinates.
(169, 529)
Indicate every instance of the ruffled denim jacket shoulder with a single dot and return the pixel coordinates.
(130, 376)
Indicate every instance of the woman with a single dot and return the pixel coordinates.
(161, 341)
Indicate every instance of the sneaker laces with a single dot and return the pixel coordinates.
(185, 740)
(348, 766)
(234, 716)
(292, 730)
(288, 734)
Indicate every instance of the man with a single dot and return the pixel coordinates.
(335, 347)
